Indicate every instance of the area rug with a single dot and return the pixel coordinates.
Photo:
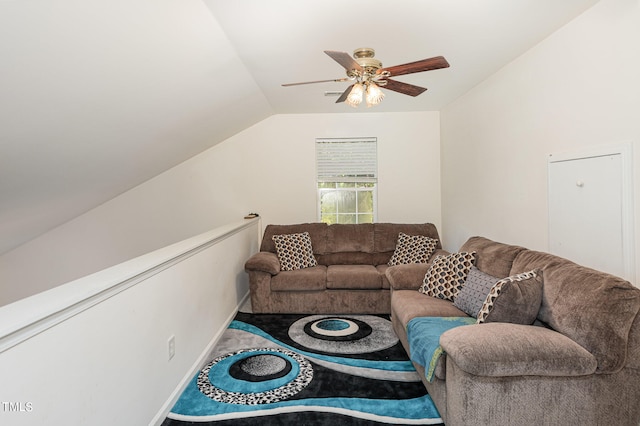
(306, 370)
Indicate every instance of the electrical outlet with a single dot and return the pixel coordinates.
(171, 343)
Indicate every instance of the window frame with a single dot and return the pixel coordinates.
(364, 172)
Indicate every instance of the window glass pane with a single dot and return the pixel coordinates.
(346, 201)
(347, 175)
(329, 218)
(352, 203)
(347, 218)
(365, 201)
(365, 218)
(328, 202)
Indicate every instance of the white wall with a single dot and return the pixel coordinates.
(99, 96)
(268, 168)
(576, 89)
(109, 364)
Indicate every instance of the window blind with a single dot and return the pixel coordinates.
(347, 160)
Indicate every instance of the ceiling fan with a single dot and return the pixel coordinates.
(368, 76)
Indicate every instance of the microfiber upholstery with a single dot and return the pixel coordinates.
(583, 348)
(492, 258)
(264, 261)
(342, 238)
(411, 276)
(503, 350)
(307, 279)
(515, 299)
(350, 276)
(386, 234)
(317, 233)
(593, 308)
(353, 277)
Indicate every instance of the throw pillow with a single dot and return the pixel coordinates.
(447, 275)
(515, 299)
(412, 249)
(294, 251)
(474, 292)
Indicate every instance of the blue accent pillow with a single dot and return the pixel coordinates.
(474, 292)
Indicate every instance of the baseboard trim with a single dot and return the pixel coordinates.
(197, 365)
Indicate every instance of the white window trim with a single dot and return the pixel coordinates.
(361, 171)
(374, 189)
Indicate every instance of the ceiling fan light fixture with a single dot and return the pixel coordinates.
(355, 96)
(368, 76)
(374, 94)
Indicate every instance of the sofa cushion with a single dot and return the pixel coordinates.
(412, 249)
(507, 350)
(350, 238)
(591, 307)
(294, 251)
(354, 277)
(492, 257)
(447, 275)
(317, 233)
(515, 299)
(409, 304)
(386, 234)
(474, 292)
(411, 276)
(346, 258)
(382, 270)
(308, 279)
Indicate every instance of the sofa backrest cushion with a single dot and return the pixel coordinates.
(593, 308)
(317, 233)
(350, 244)
(492, 258)
(344, 238)
(386, 234)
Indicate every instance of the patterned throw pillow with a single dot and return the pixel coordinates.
(515, 299)
(447, 275)
(474, 292)
(294, 251)
(412, 249)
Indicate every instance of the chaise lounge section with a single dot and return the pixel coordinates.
(576, 361)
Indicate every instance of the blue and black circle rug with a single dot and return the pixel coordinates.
(276, 369)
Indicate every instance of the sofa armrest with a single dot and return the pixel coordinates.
(264, 261)
(406, 277)
(502, 349)
(410, 276)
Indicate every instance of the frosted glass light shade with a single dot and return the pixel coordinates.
(355, 96)
(374, 95)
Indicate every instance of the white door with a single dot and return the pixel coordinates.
(586, 212)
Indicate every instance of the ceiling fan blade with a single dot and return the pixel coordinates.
(434, 63)
(404, 88)
(345, 94)
(344, 59)
(317, 81)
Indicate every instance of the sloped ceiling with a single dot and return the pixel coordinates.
(97, 97)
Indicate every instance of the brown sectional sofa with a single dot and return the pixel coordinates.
(350, 275)
(579, 364)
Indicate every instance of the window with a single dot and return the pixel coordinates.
(347, 179)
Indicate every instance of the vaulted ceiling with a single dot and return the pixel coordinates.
(98, 96)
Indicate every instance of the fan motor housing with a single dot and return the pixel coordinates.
(364, 56)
